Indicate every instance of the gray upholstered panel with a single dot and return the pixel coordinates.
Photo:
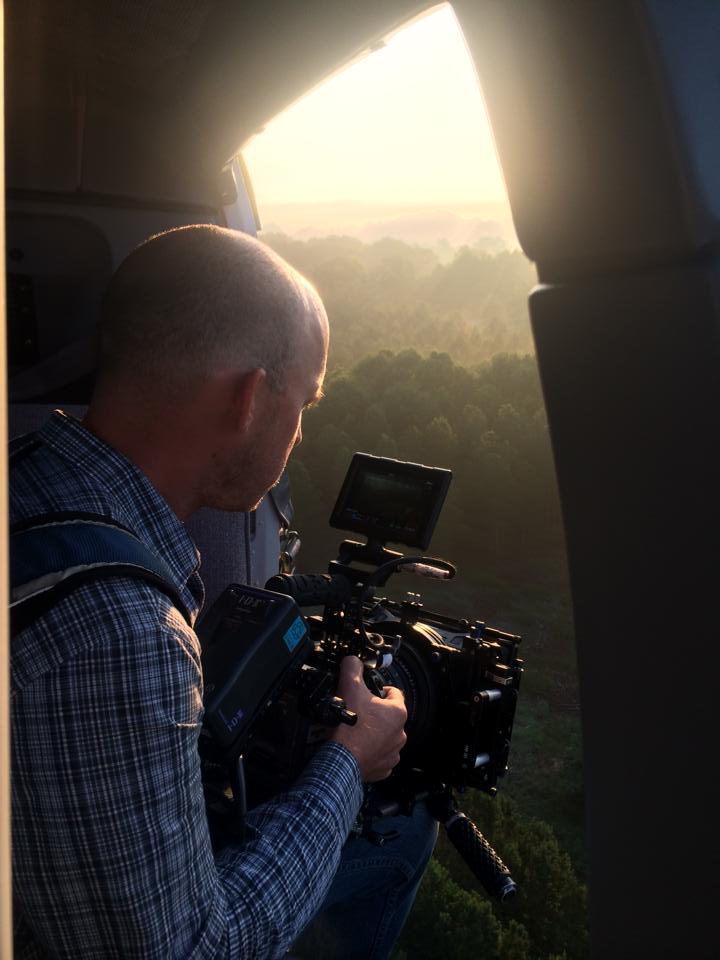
(221, 539)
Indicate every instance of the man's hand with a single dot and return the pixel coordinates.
(378, 736)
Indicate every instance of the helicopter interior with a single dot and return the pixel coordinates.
(124, 118)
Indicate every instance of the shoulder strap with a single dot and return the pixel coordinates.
(50, 556)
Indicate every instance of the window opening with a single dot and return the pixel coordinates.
(382, 186)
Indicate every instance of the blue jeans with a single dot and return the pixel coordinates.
(372, 893)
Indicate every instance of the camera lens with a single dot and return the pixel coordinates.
(410, 672)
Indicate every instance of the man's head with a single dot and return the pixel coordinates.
(209, 328)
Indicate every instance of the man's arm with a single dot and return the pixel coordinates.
(113, 856)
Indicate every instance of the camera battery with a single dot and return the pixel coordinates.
(252, 640)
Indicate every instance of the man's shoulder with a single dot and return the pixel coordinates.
(72, 471)
(117, 620)
(42, 482)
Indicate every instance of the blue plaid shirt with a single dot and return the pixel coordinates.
(111, 851)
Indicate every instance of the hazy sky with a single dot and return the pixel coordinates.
(406, 123)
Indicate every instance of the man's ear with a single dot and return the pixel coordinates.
(246, 399)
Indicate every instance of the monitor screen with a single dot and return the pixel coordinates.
(391, 500)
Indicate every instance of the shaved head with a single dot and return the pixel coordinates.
(201, 299)
(211, 348)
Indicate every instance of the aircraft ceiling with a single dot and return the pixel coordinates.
(105, 95)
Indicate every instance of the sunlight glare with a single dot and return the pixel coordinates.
(407, 123)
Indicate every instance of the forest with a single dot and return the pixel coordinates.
(432, 362)
(389, 295)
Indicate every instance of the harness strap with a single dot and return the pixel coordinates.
(50, 556)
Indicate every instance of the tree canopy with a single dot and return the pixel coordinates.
(389, 294)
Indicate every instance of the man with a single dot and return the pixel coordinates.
(211, 347)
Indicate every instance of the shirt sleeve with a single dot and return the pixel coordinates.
(112, 851)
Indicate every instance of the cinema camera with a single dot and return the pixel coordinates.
(271, 674)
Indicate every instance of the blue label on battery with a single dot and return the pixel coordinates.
(294, 634)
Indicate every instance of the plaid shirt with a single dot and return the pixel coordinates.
(111, 851)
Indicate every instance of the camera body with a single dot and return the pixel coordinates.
(460, 681)
(271, 673)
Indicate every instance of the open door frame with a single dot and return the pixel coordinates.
(605, 119)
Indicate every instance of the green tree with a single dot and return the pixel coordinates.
(447, 921)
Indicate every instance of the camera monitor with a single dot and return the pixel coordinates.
(391, 500)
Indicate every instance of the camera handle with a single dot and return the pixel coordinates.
(462, 832)
(472, 847)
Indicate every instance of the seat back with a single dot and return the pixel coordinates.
(60, 260)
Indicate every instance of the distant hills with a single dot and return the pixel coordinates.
(443, 229)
